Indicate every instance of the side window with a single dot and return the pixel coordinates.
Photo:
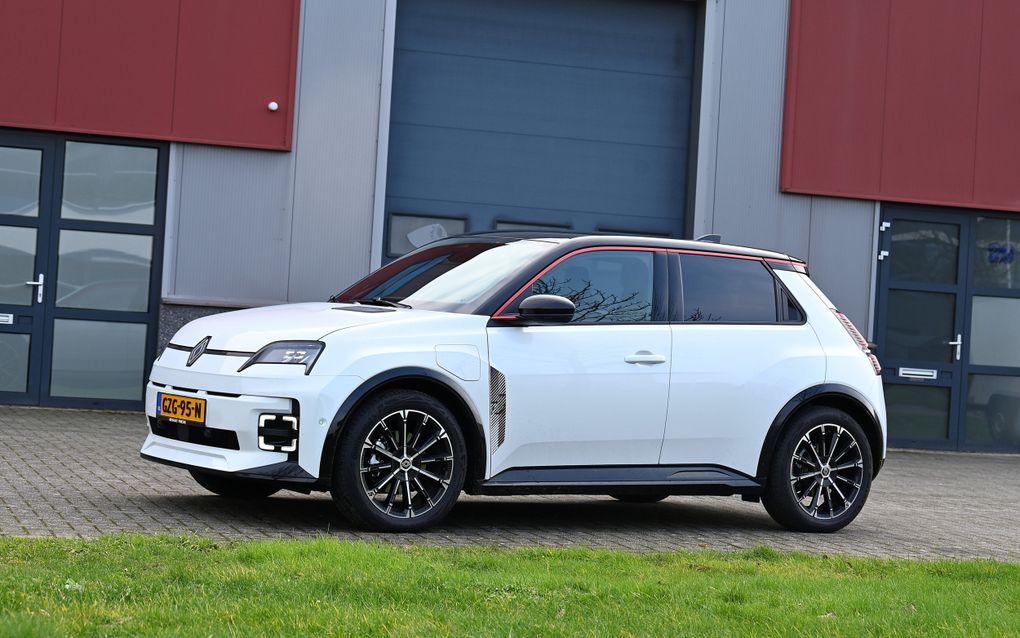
(727, 290)
(606, 286)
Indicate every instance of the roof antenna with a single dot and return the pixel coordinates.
(712, 239)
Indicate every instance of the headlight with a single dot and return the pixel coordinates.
(288, 352)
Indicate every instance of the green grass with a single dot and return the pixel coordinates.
(189, 586)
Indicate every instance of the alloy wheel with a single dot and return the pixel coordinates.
(407, 463)
(827, 471)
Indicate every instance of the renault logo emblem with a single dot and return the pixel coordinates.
(198, 350)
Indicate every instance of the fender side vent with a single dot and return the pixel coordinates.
(497, 407)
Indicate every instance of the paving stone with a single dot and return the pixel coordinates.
(77, 473)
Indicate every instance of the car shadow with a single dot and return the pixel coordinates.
(480, 519)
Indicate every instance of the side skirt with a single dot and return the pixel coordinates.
(620, 479)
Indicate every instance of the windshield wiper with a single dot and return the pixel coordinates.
(380, 301)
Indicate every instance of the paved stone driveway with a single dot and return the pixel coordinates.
(78, 474)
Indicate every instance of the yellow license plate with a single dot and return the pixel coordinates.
(180, 409)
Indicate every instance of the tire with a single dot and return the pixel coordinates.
(404, 488)
(233, 487)
(640, 497)
(828, 449)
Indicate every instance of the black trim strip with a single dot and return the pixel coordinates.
(809, 396)
(222, 353)
(287, 473)
(618, 479)
(396, 375)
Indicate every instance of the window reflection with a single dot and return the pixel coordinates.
(996, 263)
(993, 411)
(605, 286)
(104, 182)
(924, 252)
(104, 271)
(19, 181)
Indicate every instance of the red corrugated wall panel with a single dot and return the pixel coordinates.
(117, 62)
(29, 39)
(924, 100)
(214, 99)
(844, 77)
(185, 70)
(931, 99)
(997, 161)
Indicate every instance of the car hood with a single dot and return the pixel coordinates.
(249, 330)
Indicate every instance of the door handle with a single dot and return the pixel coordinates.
(643, 356)
(958, 343)
(38, 287)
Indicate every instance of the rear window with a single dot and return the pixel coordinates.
(727, 290)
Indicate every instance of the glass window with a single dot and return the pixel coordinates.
(917, 413)
(109, 183)
(919, 326)
(17, 265)
(924, 251)
(408, 232)
(727, 290)
(449, 277)
(996, 263)
(104, 271)
(98, 359)
(993, 328)
(993, 411)
(606, 286)
(19, 181)
(14, 355)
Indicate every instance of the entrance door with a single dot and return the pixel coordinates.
(948, 309)
(80, 248)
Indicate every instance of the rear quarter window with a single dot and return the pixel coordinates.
(727, 290)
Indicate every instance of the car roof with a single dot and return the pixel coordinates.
(586, 240)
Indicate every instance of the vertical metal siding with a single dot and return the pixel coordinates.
(738, 192)
(258, 227)
(338, 118)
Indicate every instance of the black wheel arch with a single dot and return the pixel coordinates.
(442, 387)
(831, 395)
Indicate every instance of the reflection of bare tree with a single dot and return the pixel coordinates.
(699, 315)
(594, 305)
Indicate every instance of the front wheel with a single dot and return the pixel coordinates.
(401, 463)
(233, 487)
(821, 473)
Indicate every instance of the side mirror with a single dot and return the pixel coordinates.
(546, 309)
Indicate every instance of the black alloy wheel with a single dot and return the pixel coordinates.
(401, 463)
(821, 474)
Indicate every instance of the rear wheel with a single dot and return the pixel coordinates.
(233, 487)
(821, 472)
(401, 463)
(640, 497)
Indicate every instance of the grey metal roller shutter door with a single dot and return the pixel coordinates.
(566, 113)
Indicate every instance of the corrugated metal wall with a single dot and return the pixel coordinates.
(249, 227)
(739, 157)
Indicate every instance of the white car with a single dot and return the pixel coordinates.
(534, 363)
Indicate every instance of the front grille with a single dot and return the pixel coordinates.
(497, 407)
(198, 434)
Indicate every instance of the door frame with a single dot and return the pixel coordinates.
(51, 186)
(965, 289)
(41, 224)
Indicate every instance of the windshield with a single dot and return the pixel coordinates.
(451, 277)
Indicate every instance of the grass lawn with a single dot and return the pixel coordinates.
(174, 586)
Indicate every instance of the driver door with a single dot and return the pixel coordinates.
(593, 391)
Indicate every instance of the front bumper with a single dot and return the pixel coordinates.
(234, 402)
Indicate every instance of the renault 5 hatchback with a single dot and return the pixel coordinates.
(534, 363)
